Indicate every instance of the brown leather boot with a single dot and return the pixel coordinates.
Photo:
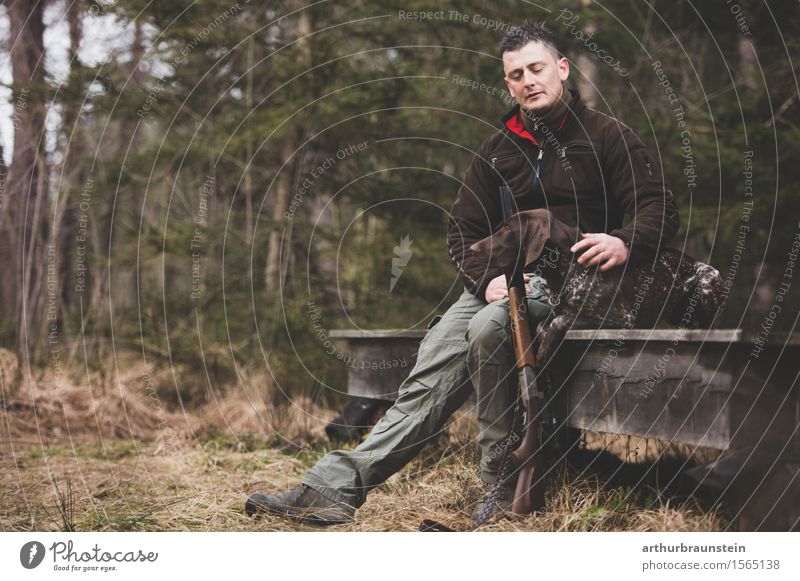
(301, 503)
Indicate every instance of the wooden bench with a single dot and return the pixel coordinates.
(708, 388)
(697, 387)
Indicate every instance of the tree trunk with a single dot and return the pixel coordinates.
(283, 191)
(587, 73)
(748, 64)
(285, 181)
(7, 295)
(248, 169)
(64, 230)
(28, 259)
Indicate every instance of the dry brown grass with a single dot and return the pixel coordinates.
(73, 457)
(202, 486)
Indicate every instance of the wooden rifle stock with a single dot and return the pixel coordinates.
(526, 460)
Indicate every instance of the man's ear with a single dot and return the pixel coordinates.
(563, 69)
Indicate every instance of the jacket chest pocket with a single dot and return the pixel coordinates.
(514, 170)
(576, 172)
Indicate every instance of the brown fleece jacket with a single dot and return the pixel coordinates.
(593, 170)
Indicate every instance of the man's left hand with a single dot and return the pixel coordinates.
(604, 249)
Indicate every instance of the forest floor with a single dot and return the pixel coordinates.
(83, 458)
(124, 485)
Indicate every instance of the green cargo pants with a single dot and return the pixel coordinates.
(469, 346)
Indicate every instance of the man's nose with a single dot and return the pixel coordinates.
(530, 78)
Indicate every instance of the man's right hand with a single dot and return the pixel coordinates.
(498, 289)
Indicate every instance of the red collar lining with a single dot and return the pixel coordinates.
(516, 125)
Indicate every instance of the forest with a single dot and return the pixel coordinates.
(193, 195)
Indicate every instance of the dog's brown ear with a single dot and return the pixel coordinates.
(536, 234)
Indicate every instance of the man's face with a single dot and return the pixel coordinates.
(534, 76)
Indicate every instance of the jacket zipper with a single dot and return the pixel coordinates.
(536, 166)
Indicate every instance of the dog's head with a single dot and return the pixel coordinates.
(522, 239)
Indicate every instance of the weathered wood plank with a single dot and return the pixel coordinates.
(713, 335)
(698, 387)
(693, 335)
(377, 334)
(378, 362)
(658, 389)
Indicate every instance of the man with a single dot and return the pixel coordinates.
(553, 152)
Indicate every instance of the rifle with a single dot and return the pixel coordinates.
(527, 458)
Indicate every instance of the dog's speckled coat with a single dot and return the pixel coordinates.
(673, 288)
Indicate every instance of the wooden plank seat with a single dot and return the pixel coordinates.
(697, 387)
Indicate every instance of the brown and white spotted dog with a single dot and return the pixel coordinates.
(673, 288)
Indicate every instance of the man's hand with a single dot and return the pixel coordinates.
(498, 289)
(602, 248)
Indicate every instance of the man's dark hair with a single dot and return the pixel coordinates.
(519, 36)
